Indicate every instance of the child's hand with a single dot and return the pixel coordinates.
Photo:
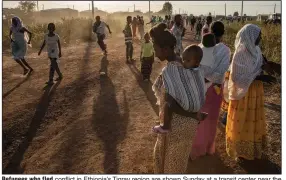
(159, 130)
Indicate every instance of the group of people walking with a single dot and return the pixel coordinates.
(190, 89)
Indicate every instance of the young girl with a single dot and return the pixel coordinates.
(147, 57)
(54, 52)
(19, 43)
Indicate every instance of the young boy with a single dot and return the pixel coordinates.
(99, 28)
(147, 57)
(54, 52)
(128, 40)
(192, 56)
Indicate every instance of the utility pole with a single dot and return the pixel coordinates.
(134, 7)
(179, 10)
(225, 10)
(73, 6)
(37, 5)
(149, 10)
(275, 8)
(92, 8)
(43, 7)
(241, 11)
(89, 6)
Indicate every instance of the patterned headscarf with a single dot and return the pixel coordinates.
(246, 38)
(19, 24)
(246, 63)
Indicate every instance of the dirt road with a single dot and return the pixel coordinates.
(92, 124)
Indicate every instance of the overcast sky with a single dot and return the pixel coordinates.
(192, 7)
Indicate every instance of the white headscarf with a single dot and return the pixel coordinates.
(246, 63)
(18, 26)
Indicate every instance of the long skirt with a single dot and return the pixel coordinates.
(171, 152)
(204, 141)
(246, 126)
(146, 67)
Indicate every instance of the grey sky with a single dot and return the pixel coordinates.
(192, 7)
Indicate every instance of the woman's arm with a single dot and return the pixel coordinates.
(176, 108)
(10, 36)
(30, 34)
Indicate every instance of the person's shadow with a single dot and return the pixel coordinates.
(109, 125)
(17, 86)
(146, 87)
(13, 166)
(103, 66)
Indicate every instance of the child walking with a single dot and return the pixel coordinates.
(147, 57)
(128, 40)
(54, 52)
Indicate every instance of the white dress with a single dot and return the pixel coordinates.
(19, 46)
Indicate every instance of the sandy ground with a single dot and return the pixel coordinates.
(92, 124)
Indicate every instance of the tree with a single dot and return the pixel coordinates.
(235, 13)
(27, 6)
(167, 8)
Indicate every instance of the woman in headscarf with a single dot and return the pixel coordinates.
(246, 126)
(172, 149)
(19, 43)
(178, 31)
(204, 142)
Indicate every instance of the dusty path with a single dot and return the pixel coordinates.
(88, 123)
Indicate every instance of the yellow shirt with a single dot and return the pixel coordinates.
(147, 49)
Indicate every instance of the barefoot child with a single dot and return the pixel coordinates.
(147, 57)
(190, 74)
(54, 52)
(128, 40)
